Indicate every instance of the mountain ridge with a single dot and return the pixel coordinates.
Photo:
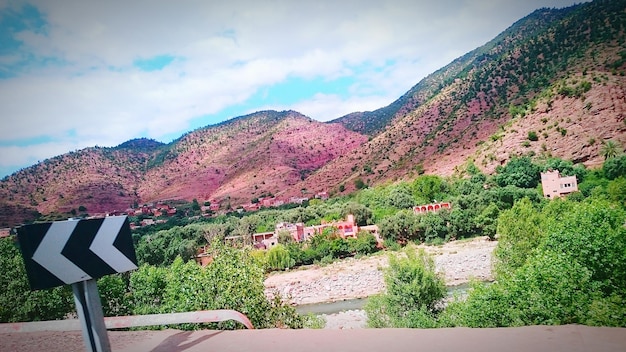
(556, 72)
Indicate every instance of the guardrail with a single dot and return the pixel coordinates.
(203, 316)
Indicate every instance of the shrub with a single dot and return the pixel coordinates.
(17, 301)
(532, 136)
(278, 258)
(413, 292)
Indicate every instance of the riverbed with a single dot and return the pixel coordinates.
(349, 281)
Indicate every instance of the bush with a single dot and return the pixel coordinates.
(401, 227)
(231, 281)
(278, 258)
(575, 274)
(365, 243)
(519, 231)
(17, 301)
(413, 292)
(532, 136)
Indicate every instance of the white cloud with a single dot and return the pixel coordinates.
(325, 107)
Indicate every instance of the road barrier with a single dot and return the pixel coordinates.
(203, 316)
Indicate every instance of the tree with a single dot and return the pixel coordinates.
(614, 167)
(401, 227)
(519, 233)
(610, 149)
(428, 188)
(17, 301)
(362, 214)
(400, 197)
(413, 291)
(278, 258)
(359, 184)
(519, 172)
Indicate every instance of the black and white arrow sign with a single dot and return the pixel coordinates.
(65, 252)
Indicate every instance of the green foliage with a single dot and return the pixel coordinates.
(163, 247)
(487, 221)
(365, 243)
(400, 197)
(413, 291)
(114, 295)
(363, 216)
(519, 172)
(567, 265)
(428, 188)
(614, 167)
(616, 190)
(278, 258)
(610, 149)
(593, 234)
(401, 227)
(532, 136)
(233, 280)
(359, 184)
(17, 301)
(519, 233)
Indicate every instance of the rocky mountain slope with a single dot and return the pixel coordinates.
(238, 160)
(557, 72)
(553, 84)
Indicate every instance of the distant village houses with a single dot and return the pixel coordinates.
(300, 233)
(431, 208)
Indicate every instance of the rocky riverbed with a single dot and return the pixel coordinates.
(458, 261)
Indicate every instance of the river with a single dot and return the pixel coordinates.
(357, 303)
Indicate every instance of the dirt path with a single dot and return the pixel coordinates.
(459, 261)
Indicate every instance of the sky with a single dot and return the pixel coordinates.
(77, 74)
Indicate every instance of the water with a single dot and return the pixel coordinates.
(356, 303)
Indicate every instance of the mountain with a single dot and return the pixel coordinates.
(558, 72)
(238, 160)
(552, 84)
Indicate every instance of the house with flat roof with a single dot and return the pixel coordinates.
(555, 186)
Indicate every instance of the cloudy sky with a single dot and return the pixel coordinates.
(75, 74)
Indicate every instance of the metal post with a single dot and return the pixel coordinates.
(89, 309)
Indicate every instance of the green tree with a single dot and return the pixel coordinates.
(362, 214)
(278, 258)
(519, 231)
(401, 227)
(519, 172)
(413, 291)
(617, 190)
(400, 197)
(610, 149)
(614, 167)
(359, 184)
(428, 188)
(17, 301)
(487, 221)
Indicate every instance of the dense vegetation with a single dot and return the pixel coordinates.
(557, 261)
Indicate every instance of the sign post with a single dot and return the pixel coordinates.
(77, 252)
(89, 309)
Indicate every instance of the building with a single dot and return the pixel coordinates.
(344, 228)
(5, 232)
(430, 208)
(555, 186)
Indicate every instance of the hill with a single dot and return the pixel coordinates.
(558, 72)
(552, 84)
(237, 160)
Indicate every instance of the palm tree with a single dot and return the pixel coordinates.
(610, 149)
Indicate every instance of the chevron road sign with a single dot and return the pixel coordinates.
(66, 252)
